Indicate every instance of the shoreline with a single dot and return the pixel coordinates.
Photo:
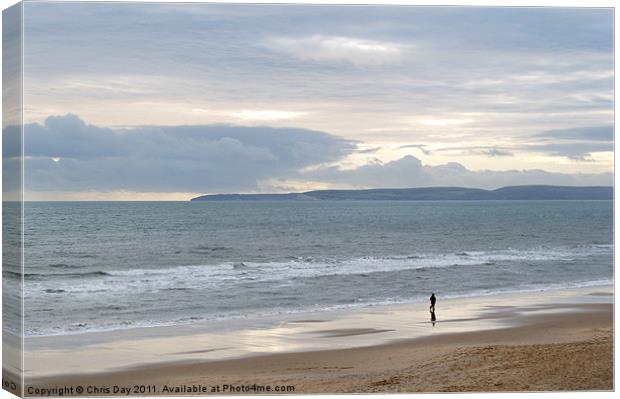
(365, 345)
(275, 317)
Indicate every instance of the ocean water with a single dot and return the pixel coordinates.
(111, 265)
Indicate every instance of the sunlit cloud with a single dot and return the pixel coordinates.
(435, 121)
(266, 115)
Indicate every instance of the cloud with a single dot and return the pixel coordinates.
(11, 162)
(466, 72)
(410, 172)
(67, 154)
(575, 143)
(70, 158)
(337, 49)
(490, 151)
(266, 115)
(443, 122)
(594, 133)
(574, 151)
(371, 150)
(421, 147)
(496, 152)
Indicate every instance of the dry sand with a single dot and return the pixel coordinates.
(564, 347)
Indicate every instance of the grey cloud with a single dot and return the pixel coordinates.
(489, 151)
(11, 160)
(496, 152)
(369, 150)
(421, 147)
(575, 143)
(410, 172)
(576, 151)
(210, 158)
(594, 133)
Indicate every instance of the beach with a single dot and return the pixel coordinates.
(533, 341)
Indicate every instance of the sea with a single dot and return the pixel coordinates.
(93, 266)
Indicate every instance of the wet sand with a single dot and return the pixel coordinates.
(536, 342)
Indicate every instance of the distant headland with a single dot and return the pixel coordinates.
(532, 192)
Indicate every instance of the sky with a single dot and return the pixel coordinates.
(170, 101)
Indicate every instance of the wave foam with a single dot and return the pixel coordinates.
(205, 276)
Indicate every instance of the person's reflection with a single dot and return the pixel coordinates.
(433, 318)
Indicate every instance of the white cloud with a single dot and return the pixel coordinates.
(435, 121)
(338, 48)
(266, 114)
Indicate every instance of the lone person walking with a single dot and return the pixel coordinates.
(433, 300)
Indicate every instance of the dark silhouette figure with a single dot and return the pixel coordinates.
(432, 308)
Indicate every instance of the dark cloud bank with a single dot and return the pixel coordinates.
(66, 154)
